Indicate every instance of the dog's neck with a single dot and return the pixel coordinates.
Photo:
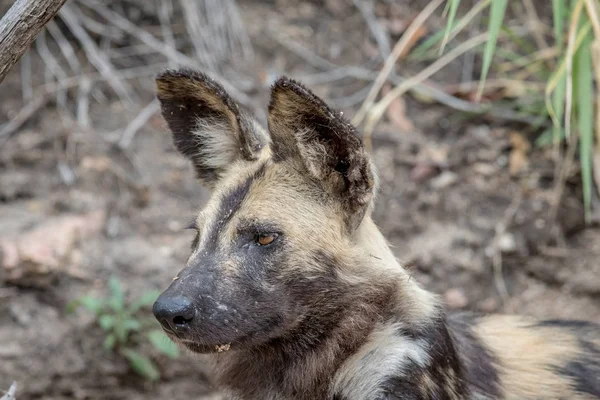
(415, 304)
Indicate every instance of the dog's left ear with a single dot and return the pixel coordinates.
(304, 127)
(208, 126)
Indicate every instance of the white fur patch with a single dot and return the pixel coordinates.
(385, 355)
(217, 144)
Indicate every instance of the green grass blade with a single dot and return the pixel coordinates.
(558, 15)
(428, 43)
(453, 4)
(560, 73)
(497, 10)
(585, 118)
(457, 26)
(558, 104)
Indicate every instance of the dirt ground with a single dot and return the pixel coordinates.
(454, 213)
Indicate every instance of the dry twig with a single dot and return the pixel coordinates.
(138, 122)
(500, 230)
(366, 9)
(399, 49)
(538, 34)
(65, 46)
(19, 27)
(43, 94)
(569, 66)
(374, 114)
(26, 88)
(10, 395)
(69, 14)
(160, 47)
(334, 72)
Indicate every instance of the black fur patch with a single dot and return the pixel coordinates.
(331, 325)
(443, 372)
(339, 397)
(478, 361)
(575, 325)
(229, 205)
(320, 318)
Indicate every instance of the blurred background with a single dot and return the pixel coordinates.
(480, 115)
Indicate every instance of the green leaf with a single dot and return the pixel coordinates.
(145, 300)
(453, 6)
(106, 321)
(162, 343)
(560, 73)
(550, 136)
(121, 332)
(585, 118)
(72, 306)
(92, 304)
(117, 295)
(110, 341)
(497, 10)
(132, 325)
(141, 364)
(558, 16)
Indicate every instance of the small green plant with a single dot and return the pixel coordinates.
(124, 329)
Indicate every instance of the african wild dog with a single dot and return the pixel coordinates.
(293, 292)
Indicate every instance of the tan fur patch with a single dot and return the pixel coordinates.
(528, 357)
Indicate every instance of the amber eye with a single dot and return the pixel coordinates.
(265, 239)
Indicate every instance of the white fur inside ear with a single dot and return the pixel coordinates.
(217, 143)
(315, 154)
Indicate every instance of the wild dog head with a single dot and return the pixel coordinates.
(275, 242)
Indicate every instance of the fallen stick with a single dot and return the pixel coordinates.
(20, 26)
(10, 395)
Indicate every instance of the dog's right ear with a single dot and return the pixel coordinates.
(207, 124)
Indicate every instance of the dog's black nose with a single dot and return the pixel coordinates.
(174, 313)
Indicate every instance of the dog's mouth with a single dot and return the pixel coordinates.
(203, 349)
(198, 347)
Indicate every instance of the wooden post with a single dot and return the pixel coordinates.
(20, 26)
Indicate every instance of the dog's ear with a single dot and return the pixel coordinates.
(304, 127)
(208, 126)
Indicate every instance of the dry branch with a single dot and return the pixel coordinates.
(171, 53)
(70, 15)
(390, 63)
(20, 26)
(10, 395)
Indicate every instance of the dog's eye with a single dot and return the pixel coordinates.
(193, 225)
(265, 239)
